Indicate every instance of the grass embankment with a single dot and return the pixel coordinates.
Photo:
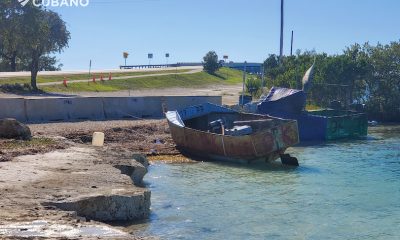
(60, 78)
(223, 76)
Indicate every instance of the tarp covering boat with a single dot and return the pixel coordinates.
(283, 100)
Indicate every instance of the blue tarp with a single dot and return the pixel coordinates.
(311, 127)
(289, 104)
(283, 100)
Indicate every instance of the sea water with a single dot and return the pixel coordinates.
(342, 190)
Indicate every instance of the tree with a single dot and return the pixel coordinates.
(28, 35)
(210, 62)
(46, 63)
(362, 74)
(253, 86)
(11, 38)
(47, 34)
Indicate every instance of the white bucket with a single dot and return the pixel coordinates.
(98, 139)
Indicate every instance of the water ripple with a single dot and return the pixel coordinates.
(342, 190)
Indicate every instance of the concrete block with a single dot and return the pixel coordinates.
(85, 108)
(96, 108)
(47, 109)
(13, 108)
(132, 107)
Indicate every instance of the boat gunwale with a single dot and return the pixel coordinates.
(263, 132)
(347, 113)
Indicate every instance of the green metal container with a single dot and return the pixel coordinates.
(343, 124)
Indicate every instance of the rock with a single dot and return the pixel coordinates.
(110, 208)
(136, 170)
(12, 129)
(286, 159)
(142, 159)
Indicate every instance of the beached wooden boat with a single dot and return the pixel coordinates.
(218, 133)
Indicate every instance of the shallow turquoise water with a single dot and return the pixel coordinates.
(342, 190)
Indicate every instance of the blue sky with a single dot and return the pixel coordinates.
(243, 29)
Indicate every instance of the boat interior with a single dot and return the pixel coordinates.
(211, 121)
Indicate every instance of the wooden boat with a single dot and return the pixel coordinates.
(218, 133)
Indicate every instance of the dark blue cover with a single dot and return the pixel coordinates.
(283, 100)
(311, 127)
(289, 104)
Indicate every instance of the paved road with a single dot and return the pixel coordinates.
(196, 70)
(62, 73)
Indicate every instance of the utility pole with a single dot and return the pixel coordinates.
(291, 46)
(281, 47)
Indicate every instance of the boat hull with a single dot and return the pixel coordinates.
(266, 145)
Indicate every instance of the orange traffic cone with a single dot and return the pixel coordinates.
(94, 79)
(109, 77)
(101, 78)
(65, 82)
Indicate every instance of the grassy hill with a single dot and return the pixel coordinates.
(223, 76)
(59, 78)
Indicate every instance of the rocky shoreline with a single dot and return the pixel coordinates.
(70, 187)
(70, 184)
(57, 180)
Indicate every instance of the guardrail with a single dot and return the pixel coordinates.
(161, 65)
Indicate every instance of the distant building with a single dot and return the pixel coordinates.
(254, 68)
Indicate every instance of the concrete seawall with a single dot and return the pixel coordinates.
(95, 108)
